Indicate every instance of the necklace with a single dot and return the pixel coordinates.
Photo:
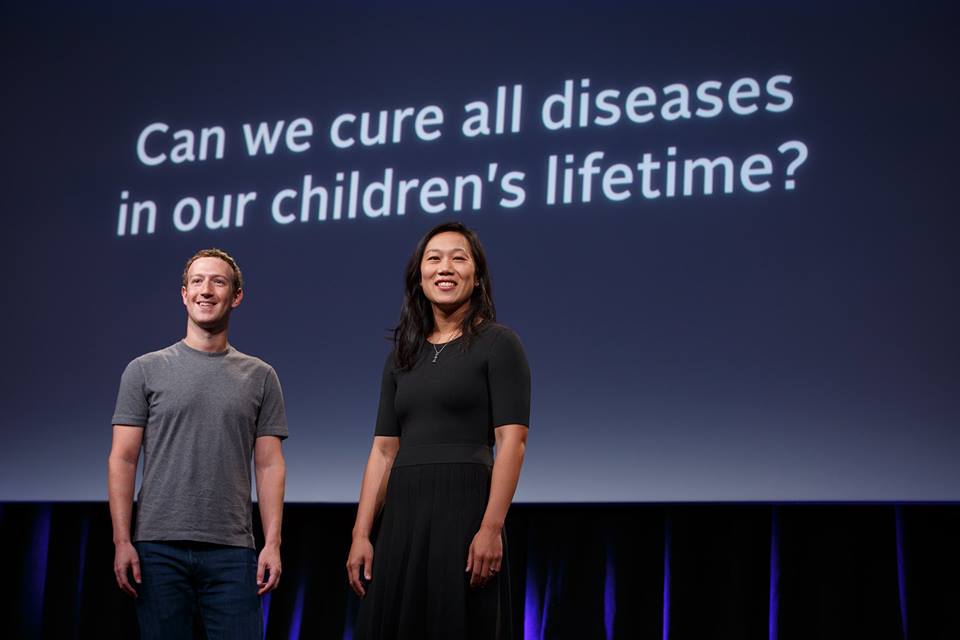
(437, 352)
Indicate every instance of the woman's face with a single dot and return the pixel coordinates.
(447, 271)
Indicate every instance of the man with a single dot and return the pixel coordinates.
(199, 409)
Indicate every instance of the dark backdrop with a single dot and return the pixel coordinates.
(784, 344)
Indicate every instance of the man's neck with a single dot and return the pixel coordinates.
(203, 340)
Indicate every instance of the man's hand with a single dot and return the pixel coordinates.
(268, 567)
(126, 559)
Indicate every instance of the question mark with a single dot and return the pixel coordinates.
(801, 149)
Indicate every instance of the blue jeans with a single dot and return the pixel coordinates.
(180, 579)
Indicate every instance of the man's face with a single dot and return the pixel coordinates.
(209, 294)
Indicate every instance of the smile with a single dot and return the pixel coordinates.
(445, 285)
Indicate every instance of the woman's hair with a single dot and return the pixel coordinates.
(416, 314)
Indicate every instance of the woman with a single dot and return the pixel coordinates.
(455, 384)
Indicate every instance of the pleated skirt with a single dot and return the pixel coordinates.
(419, 588)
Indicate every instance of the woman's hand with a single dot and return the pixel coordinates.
(359, 558)
(484, 556)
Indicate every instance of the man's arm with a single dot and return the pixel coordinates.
(121, 482)
(271, 473)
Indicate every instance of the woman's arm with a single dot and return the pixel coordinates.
(372, 491)
(486, 550)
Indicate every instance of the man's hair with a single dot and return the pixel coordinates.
(223, 255)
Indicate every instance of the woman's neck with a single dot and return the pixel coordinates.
(447, 325)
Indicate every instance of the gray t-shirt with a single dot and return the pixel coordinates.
(201, 413)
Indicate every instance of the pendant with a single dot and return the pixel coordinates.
(435, 356)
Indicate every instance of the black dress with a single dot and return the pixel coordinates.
(445, 413)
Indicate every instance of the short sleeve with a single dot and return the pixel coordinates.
(272, 418)
(508, 377)
(387, 413)
(132, 407)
